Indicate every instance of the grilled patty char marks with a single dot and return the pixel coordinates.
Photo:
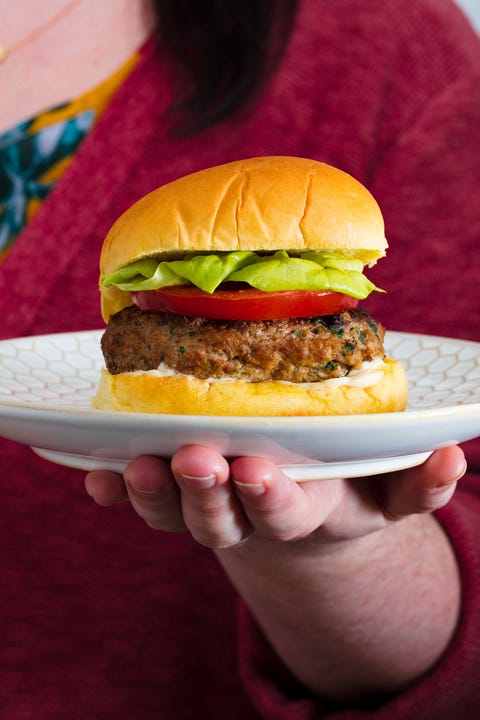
(297, 350)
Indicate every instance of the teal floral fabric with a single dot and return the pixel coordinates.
(28, 160)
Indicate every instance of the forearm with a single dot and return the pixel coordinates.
(374, 613)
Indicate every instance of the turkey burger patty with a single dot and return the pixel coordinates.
(294, 350)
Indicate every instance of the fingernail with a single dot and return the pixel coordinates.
(200, 482)
(251, 488)
(144, 484)
(449, 483)
(143, 491)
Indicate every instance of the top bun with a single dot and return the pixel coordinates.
(260, 204)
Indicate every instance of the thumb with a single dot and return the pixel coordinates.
(425, 488)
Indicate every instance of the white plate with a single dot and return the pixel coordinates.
(47, 384)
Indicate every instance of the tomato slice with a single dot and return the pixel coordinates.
(245, 303)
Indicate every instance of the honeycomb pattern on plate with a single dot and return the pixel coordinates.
(62, 370)
(441, 371)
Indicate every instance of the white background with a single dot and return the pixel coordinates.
(472, 9)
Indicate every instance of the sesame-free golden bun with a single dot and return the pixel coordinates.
(150, 392)
(260, 204)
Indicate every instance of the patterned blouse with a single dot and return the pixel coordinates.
(35, 153)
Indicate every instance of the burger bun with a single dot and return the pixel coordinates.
(383, 389)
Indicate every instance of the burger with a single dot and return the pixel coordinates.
(235, 291)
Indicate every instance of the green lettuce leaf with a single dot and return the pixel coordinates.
(208, 271)
(314, 270)
(333, 260)
(145, 274)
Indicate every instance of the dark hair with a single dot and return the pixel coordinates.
(225, 50)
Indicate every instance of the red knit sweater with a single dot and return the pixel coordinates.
(104, 618)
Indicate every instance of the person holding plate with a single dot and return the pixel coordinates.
(255, 597)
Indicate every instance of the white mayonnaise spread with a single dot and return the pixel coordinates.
(367, 375)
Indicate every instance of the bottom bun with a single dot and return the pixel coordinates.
(380, 389)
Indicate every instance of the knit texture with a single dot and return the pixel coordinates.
(103, 618)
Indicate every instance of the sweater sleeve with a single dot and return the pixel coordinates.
(449, 690)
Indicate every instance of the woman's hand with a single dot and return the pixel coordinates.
(222, 505)
(359, 604)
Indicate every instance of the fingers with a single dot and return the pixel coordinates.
(277, 507)
(425, 488)
(221, 506)
(105, 487)
(154, 494)
(210, 508)
(194, 494)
